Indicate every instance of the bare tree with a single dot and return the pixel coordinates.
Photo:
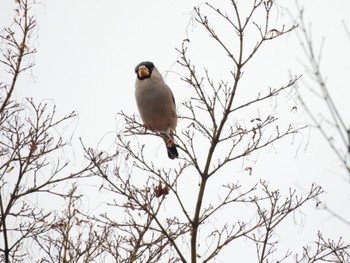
(331, 124)
(211, 141)
(326, 250)
(72, 237)
(31, 145)
(328, 120)
(150, 218)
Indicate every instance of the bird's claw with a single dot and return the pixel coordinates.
(146, 127)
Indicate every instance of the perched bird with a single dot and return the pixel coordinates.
(156, 104)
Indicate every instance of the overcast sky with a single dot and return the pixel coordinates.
(87, 51)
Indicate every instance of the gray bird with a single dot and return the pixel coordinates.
(156, 104)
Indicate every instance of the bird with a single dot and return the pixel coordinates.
(156, 104)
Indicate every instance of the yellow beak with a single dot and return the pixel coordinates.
(143, 72)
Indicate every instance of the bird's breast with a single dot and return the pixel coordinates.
(156, 109)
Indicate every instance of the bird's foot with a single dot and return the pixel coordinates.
(146, 127)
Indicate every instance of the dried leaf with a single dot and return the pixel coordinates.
(59, 225)
(33, 146)
(255, 119)
(160, 191)
(249, 170)
(274, 31)
(9, 170)
(79, 222)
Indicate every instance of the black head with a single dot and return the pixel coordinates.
(144, 70)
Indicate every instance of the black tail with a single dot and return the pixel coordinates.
(172, 151)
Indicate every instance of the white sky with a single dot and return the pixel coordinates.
(87, 51)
